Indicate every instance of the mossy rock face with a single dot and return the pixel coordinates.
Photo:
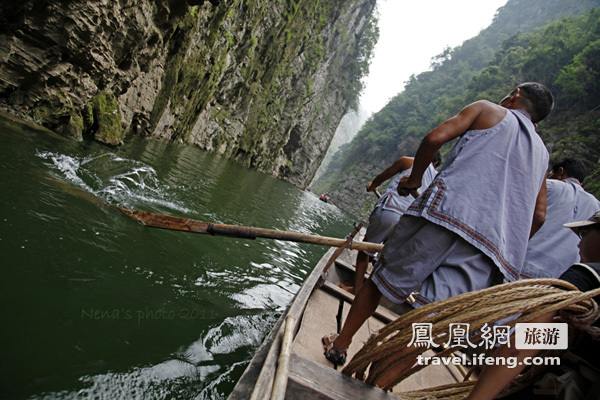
(74, 127)
(106, 119)
(58, 113)
(88, 116)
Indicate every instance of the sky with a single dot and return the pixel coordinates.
(411, 32)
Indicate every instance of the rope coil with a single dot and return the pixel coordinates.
(523, 300)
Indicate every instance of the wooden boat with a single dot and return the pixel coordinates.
(290, 363)
(318, 309)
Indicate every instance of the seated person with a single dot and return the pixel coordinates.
(586, 276)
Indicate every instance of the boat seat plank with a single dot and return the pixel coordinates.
(309, 380)
(381, 313)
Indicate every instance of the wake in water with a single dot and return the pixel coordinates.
(116, 180)
(192, 372)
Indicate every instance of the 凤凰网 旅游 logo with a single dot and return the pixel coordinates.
(542, 336)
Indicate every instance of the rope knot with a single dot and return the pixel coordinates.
(350, 240)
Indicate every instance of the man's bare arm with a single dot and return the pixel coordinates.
(479, 115)
(401, 164)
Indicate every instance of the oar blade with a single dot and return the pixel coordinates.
(155, 220)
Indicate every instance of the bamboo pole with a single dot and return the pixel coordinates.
(283, 362)
(248, 232)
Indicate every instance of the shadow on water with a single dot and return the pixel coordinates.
(97, 306)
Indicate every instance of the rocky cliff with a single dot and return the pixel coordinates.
(262, 82)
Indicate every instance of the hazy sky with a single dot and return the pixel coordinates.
(411, 32)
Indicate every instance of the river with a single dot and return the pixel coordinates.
(94, 305)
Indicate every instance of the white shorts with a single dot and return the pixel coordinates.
(381, 225)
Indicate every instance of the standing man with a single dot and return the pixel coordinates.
(388, 210)
(471, 226)
(553, 248)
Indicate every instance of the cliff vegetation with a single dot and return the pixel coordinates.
(520, 45)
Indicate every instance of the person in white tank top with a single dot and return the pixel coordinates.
(388, 210)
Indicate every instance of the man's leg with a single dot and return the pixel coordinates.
(381, 224)
(362, 261)
(416, 242)
(364, 305)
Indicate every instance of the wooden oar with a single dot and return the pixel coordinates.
(348, 243)
(247, 232)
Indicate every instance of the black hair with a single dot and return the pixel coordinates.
(539, 98)
(573, 167)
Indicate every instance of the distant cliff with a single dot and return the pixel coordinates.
(264, 83)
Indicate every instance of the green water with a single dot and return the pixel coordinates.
(94, 305)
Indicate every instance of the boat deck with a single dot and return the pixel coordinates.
(320, 308)
(321, 318)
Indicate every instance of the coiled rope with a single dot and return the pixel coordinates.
(523, 300)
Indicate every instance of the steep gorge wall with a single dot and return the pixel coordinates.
(264, 83)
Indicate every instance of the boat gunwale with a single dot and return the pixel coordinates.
(260, 373)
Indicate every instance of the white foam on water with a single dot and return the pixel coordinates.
(67, 166)
(117, 180)
(152, 382)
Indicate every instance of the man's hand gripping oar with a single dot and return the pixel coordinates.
(406, 187)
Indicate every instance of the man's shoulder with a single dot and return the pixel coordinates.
(589, 199)
(590, 270)
(560, 192)
(571, 190)
(560, 185)
(584, 195)
(487, 114)
(486, 105)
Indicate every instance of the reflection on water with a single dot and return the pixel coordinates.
(97, 306)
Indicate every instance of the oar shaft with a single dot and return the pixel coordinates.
(191, 225)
